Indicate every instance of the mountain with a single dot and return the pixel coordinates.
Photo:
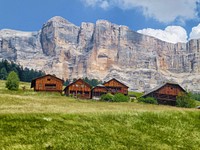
(103, 50)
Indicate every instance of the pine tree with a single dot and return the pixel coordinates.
(3, 73)
(24, 74)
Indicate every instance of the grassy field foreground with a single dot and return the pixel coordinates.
(30, 120)
(130, 130)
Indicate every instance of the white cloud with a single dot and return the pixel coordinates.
(104, 5)
(195, 33)
(165, 11)
(171, 34)
(90, 2)
(101, 3)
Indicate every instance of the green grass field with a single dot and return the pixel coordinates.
(31, 120)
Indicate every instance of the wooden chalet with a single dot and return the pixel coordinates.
(165, 93)
(98, 91)
(48, 83)
(79, 88)
(114, 86)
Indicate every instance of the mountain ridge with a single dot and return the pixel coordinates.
(104, 50)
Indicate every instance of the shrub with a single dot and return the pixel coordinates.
(119, 97)
(149, 100)
(107, 97)
(185, 100)
(12, 82)
(195, 96)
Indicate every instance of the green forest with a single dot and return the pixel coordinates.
(27, 75)
(24, 74)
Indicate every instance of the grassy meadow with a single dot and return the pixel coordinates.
(32, 120)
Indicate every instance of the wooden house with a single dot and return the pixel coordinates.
(98, 91)
(79, 88)
(114, 86)
(48, 83)
(165, 93)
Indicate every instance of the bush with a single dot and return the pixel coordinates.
(195, 96)
(107, 97)
(185, 100)
(12, 82)
(149, 100)
(119, 97)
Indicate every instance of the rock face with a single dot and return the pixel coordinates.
(103, 50)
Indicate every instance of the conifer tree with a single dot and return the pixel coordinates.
(3, 73)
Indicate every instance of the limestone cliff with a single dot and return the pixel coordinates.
(103, 50)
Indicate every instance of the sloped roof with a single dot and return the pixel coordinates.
(162, 85)
(77, 81)
(116, 81)
(99, 85)
(33, 81)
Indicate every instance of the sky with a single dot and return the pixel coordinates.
(169, 20)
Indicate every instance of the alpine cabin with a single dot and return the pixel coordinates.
(48, 83)
(98, 91)
(114, 86)
(79, 88)
(166, 93)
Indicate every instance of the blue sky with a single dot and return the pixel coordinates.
(29, 15)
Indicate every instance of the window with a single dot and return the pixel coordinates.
(48, 79)
(50, 86)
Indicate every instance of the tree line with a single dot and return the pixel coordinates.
(24, 74)
(27, 75)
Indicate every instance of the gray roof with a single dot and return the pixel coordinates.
(100, 85)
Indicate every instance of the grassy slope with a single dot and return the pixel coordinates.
(136, 94)
(30, 120)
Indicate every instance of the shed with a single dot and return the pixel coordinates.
(114, 86)
(79, 88)
(165, 93)
(98, 91)
(48, 83)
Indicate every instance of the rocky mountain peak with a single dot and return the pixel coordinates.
(100, 21)
(58, 19)
(14, 33)
(56, 33)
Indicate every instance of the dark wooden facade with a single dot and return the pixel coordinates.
(166, 93)
(79, 88)
(48, 83)
(114, 86)
(98, 91)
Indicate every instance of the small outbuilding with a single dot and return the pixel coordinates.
(79, 88)
(48, 83)
(165, 93)
(98, 91)
(114, 86)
